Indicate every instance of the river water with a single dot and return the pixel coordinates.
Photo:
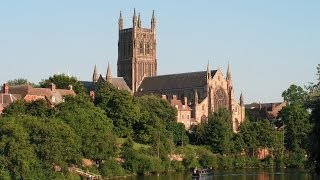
(245, 174)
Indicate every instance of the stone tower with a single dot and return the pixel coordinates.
(137, 56)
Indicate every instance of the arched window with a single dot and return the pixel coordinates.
(147, 49)
(220, 99)
(141, 47)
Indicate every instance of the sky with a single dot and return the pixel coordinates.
(269, 44)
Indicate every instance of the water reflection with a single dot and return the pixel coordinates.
(245, 174)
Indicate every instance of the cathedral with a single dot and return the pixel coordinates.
(199, 93)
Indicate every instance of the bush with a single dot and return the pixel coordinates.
(240, 162)
(207, 158)
(111, 168)
(177, 166)
(225, 162)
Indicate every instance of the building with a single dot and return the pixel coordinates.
(52, 95)
(183, 111)
(207, 91)
(137, 51)
(268, 111)
(117, 82)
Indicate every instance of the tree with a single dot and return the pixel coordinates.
(63, 81)
(295, 95)
(55, 142)
(218, 132)
(118, 106)
(91, 124)
(16, 108)
(156, 115)
(17, 153)
(20, 81)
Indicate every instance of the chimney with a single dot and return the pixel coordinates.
(70, 87)
(164, 96)
(52, 87)
(174, 97)
(6, 88)
(185, 101)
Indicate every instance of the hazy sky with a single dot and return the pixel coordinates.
(269, 44)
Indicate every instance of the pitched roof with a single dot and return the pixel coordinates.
(6, 99)
(175, 81)
(181, 107)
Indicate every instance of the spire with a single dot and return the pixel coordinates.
(228, 77)
(241, 100)
(153, 21)
(109, 76)
(196, 98)
(139, 21)
(208, 71)
(134, 18)
(95, 74)
(120, 22)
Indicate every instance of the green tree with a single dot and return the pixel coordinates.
(297, 126)
(118, 106)
(55, 142)
(20, 81)
(16, 108)
(295, 95)
(17, 153)
(92, 125)
(218, 132)
(63, 81)
(156, 115)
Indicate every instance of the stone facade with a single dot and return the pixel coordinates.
(137, 51)
(206, 91)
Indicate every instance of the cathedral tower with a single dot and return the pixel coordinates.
(137, 56)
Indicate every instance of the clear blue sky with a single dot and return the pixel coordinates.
(270, 44)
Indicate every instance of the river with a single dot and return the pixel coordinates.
(245, 174)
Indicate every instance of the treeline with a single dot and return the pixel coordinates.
(125, 135)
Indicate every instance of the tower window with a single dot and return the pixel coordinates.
(148, 49)
(141, 48)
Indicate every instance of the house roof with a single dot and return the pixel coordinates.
(117, 82)
(175, 81)
(179, 105)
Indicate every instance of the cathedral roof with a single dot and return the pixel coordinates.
(175, 81)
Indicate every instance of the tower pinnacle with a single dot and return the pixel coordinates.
(153, 21)
(95, 74)
(120, 21)
(228, 77)
(108, 76)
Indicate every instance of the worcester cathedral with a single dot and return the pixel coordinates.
(194, 94)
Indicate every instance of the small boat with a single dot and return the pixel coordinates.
(197, 173)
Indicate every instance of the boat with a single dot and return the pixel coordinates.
(197, 173)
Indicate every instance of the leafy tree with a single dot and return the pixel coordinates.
(217, 131)
(20, 81)
(118, 106)
(178, 132)
(156, 116)
(295, 118)
(16, 108)
(91, 124)
(63, 81)
(295, 95)
(314, 136)
(54, 141)
(16, 151)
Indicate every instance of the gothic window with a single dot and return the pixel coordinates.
(141, 47)
(220, 99)
(147, 49)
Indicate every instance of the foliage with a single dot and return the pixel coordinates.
(20, 81)
(295, 95)
(156, 115)
(91, 125)
(110, 168)
(63, 81)
(207, 158)
(17, 108)
(118, 106)
(218, 133)
(297, 126)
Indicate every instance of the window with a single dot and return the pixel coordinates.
(141, 47)
(188, 116)
(147, 49)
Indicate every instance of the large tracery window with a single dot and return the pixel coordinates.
(220, 99)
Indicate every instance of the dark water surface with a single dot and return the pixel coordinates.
(245, 174)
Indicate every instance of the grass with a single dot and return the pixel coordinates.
(136, 146)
